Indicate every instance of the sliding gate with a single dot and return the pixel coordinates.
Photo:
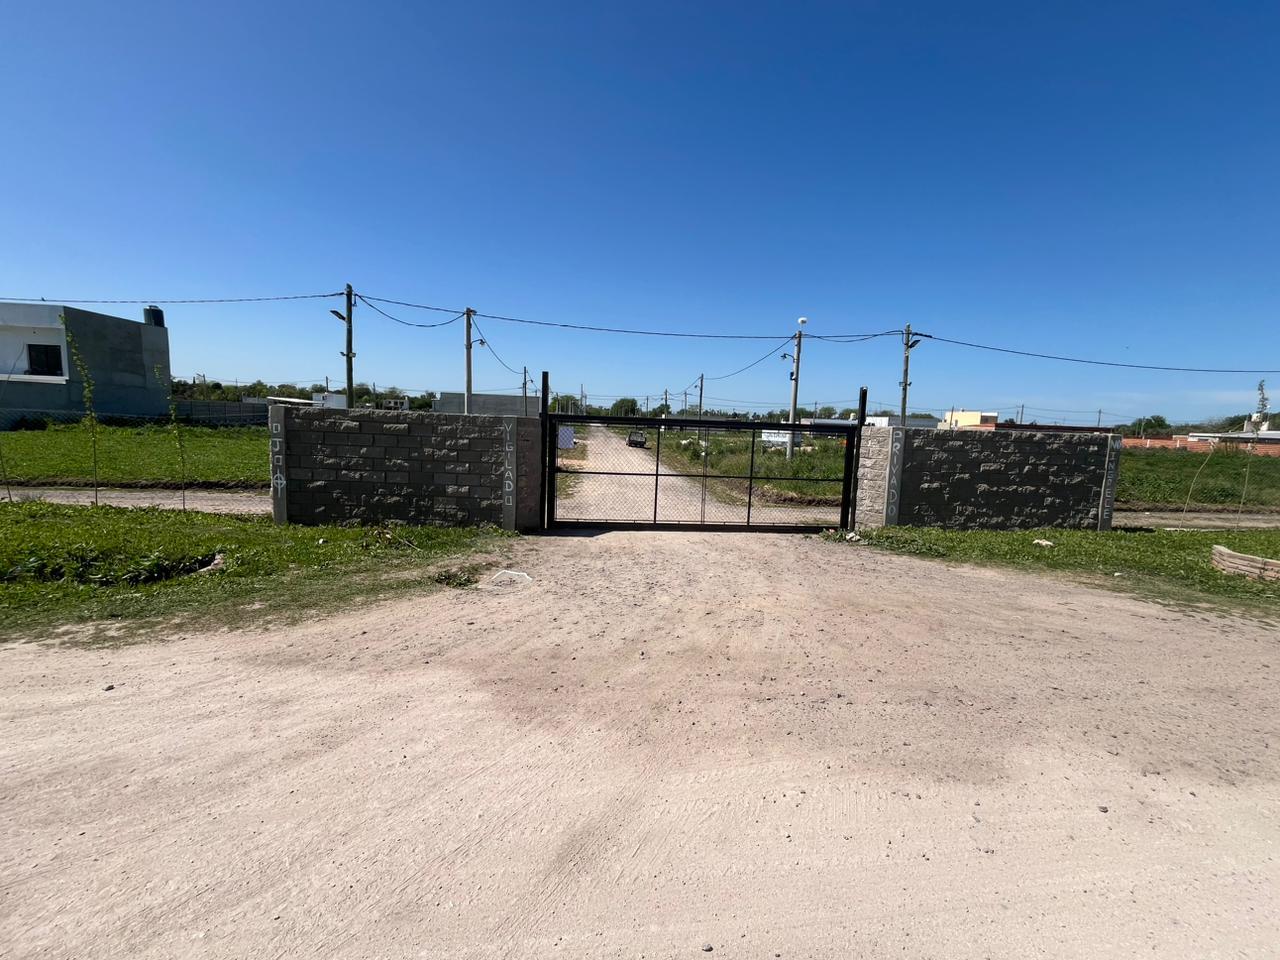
(682, 473)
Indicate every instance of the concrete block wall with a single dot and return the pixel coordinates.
(1007, 479)
(394, 466)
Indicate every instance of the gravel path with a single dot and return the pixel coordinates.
(207, 501)
(680, 498)
(773, 745)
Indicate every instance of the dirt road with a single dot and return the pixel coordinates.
(1195, 519)
(206, 501)
(771, 745)
(679, 498)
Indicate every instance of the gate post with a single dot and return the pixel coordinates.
(548, 491)
(852, 458)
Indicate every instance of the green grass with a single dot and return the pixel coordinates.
(145, 456)
(820, 458)
(1172, 564)
(63, 565)
(1164, 478)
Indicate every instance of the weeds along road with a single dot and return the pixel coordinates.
(771, 745)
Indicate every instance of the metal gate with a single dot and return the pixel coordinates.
(672, 473)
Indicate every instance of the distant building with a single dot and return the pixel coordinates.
(489, 404)
(127, 360)
(895, 420)
(969, 420)
(334, 401)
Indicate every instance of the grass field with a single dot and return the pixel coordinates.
(65, 565)
(145, 456)
(1162, 477)
(237, 457)
(730, 453)
(1168, 563)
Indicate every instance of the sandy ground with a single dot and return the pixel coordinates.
(207, 501)
(768, 744)
(680, 498)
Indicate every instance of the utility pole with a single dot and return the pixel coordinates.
(701, 379)
(524, 390)
(685, 411)
(646, 406)
(582, 387)
(350, 354)
(1099, 417)
(906, 369)
(666, 402)
(795, 387)
(1021, 409)
(466, 395)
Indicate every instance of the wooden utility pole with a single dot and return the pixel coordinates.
(350, 353)
(701, 379)
(466, 395)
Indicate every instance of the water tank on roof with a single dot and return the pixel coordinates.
(153, 316)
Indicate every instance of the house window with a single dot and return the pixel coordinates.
(44, 360)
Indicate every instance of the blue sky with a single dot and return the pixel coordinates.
(1090, 179)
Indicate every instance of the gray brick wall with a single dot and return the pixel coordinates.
(380, 466)
(1006, 479)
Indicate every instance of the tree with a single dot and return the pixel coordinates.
(625, 407)
(1153, 425)
(661, 410)
(826, 413)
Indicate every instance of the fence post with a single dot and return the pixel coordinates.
(852, 460)
(548, 489)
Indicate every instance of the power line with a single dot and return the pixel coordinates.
(853, 337)
(772, 351)
(518, 373)
(157, 301)
(407, 323)
(636, 333)
(405, 303)
(1096, 363)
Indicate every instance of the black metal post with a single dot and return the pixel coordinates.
(657, 469)
(548, 492)
(751, 475)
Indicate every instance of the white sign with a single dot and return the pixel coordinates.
(775, 437)
(564, 439)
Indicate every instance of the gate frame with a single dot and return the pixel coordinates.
(848, 484)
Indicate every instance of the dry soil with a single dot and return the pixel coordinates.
(767, 745)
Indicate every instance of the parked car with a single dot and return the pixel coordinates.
(636, 438)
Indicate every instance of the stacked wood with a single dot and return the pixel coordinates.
(1257, 568)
